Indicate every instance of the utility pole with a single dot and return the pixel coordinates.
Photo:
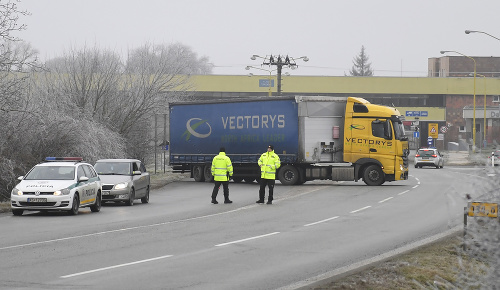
(280, 61)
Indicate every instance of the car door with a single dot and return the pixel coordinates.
(82, 186)
(139, 180)
(94, 185)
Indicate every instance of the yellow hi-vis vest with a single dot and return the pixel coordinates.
(221, 166)
(269, 162)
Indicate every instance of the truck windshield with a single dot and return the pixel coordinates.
(399, 130)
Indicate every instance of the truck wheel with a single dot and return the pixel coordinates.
(373, 175)
(288, 175)
(208, 173)
(198, 173)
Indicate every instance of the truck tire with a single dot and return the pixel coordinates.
(373, 175)
(198, 173)
(288, 175)
(208, 173)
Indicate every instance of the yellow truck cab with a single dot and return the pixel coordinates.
(374, 140)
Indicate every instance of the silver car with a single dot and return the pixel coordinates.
(123, 180)
(429, 157)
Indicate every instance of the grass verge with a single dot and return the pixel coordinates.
(435, 266)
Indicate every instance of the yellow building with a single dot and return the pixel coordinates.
(449, 101)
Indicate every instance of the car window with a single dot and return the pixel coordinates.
(143, 168)
(426, 153)
(88, 171)
(135, 167)
(118, 168)
(92, 171)
(51, 173)
(80, 172)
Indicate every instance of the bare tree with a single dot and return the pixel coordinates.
(16, 58)
(89, 78)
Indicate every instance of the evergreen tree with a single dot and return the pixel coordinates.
(361, 65)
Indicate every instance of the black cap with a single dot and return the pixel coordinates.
(271, 146)
(222, 149)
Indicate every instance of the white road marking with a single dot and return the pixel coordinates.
(247, 239)
(126, 229)
(116, 266)
(401, 193)
(322, 221)
(415, 186)
(152, 225)
(384, 200)
(363, 208)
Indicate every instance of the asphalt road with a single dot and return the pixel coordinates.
(181, 240)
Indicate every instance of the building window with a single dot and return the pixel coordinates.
(461, 129)
(496, 99)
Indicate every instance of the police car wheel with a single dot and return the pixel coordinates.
(96, 207)
(17, 212)
(131, 197)
(145, 199)
(75, 206)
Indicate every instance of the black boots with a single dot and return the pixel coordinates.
(225, 201)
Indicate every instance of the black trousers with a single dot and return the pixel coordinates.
(225, 186)
(262, 190)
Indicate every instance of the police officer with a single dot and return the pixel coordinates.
(222, 169)
(268, 162)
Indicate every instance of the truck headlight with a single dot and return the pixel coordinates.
(401, 167)
(16, 191)
(62, 192)
(122, 185)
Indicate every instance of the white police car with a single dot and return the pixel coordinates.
(60, 183)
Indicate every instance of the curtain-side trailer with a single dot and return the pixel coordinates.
(335, 138)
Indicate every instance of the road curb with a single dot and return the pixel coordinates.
(336, 274)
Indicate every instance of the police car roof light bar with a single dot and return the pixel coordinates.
(63, 159)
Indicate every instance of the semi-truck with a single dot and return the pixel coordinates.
(316, 137)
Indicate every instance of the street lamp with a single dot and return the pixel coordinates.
(474, 112)
(484, 124)
(270, 71)
(476, 31)
(279, 61)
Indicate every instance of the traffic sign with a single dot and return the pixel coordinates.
(443, 129)
(433, 130)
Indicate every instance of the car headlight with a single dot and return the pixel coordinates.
(62, 192)
(122, 185)
(16, 191)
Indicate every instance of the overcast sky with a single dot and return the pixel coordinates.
(399, 35)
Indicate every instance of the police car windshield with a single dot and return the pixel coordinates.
(113, 168)
(51, 173)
